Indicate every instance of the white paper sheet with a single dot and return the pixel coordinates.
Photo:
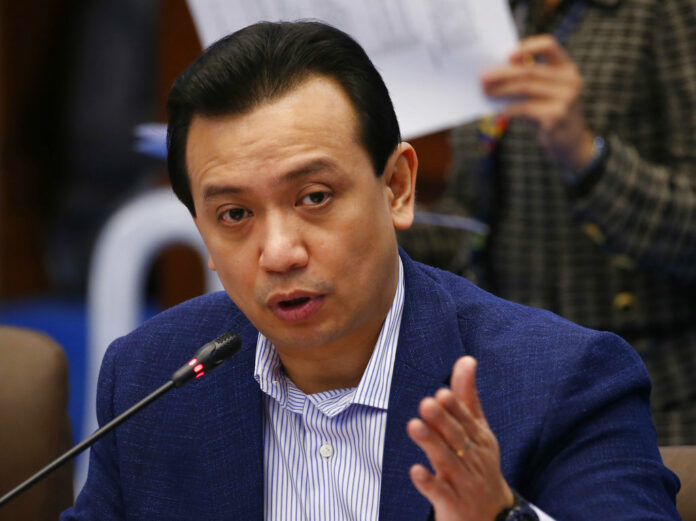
(429, 52)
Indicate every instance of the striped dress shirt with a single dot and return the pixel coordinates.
(323, 452)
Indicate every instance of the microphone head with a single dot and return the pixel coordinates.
(214, 353)
(208, 358)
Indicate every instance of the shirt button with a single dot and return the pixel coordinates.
(326, 451)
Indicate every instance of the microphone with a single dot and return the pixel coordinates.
(207, 358)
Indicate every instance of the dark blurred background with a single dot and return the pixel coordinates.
(76, 78)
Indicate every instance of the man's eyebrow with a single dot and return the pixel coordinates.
(312, 167)
(216, 190)
(306, 169)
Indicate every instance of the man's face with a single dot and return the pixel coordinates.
(297, 225)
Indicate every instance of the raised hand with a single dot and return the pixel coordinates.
(467, 483)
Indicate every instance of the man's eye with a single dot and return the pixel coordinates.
(235, 214)
(315, 198)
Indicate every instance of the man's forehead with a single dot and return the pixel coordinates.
(316, 114)
(310, 129)
(314, 93)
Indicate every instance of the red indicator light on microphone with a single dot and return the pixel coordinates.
(198, 368)
(193, 361)
(200, 374)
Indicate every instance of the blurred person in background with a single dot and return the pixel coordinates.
(588, 181)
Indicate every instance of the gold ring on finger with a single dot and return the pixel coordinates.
(462, 452)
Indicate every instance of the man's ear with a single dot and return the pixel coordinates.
(211, 264)
(400, 181)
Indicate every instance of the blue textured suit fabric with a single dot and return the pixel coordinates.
(568, 405)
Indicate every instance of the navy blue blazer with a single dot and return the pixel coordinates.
(568, 405)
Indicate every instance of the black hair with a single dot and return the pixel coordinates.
(264, 61)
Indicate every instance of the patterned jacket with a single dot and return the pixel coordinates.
(618, 252)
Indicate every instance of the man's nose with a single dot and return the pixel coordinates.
(283, 248)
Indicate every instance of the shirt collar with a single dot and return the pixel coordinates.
(373, 389)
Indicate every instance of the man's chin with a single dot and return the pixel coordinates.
(301, 337)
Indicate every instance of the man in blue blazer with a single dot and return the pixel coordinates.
(356, 392)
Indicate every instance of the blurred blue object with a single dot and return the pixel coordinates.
(151, 139)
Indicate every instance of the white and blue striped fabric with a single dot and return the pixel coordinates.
(323, 452)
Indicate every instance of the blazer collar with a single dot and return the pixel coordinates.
(429, 344)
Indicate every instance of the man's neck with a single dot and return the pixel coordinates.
(328, 367)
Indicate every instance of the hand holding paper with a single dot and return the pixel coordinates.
(545, 86)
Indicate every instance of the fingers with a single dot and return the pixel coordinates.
(462, 417)
(463, 385)
(543, 48)
(435, 490)
(544, 86)
(518, 73)
(462, 450)
(452, 426)
(441, 455)
(527, 90)
(539, 69)
(536, 81)
(444, 415)
(546, 114)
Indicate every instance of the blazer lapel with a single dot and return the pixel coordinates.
(239, 440)
(429, 344)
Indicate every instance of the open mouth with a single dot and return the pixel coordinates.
(288, 304)
(298, 308)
